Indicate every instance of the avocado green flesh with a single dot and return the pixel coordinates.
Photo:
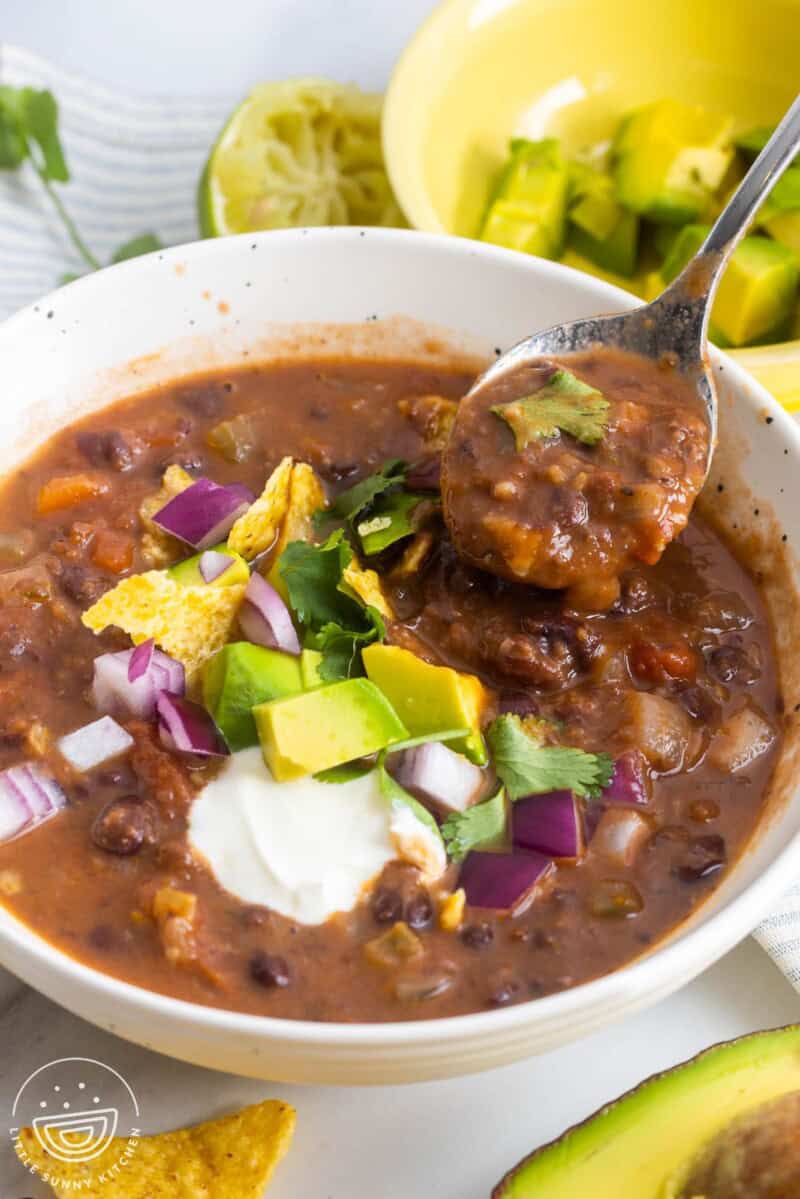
(669, 158)
(645, 1144)
(529, 208)
(755, 298)
(240, 676)
(309, 733)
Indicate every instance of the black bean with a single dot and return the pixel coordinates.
(125, 825)
(519, 703)
(505, 992)
(269, 969)
(81, 585)
(704, 856)
(699, 703)
(93, 447)
(106, 449)
(203, 401)
(477, 936)
(102, 936)
(728, 664)
(255, 917)
(419, 910)
(119, 454)
(386, 906)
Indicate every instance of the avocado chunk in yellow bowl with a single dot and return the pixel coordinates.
(479, 77)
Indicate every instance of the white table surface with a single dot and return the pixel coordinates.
(446, 1140)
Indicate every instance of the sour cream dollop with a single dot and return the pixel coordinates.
(304, 848)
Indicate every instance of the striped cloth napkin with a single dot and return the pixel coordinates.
(135, 162)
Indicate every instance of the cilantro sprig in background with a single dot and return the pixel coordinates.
(29, 134)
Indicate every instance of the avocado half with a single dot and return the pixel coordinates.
(645, 1144)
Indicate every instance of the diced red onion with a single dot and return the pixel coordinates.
(204, 513)
(629, 782)
(28, 797)
(504, 881)
(87, 747)
(550, 824)
(140, 660)
(115, 691)
(212, 564)
(264, 618)
(437, 775)
(620, 835)
(186, 726)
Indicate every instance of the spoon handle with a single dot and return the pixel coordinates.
(703, 274)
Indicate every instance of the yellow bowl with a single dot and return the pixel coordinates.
(481, 71)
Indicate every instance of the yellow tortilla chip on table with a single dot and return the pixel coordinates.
(306, 496)
(229, 1158)
(257, 529)
(188, 623)
(158, 547)
(366, 586)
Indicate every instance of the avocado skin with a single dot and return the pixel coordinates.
(545, 1173)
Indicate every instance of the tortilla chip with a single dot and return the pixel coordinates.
(158, 548)
(230, 1158)
(256, 529)
(306, 496)
(189, 623)
(366, 584)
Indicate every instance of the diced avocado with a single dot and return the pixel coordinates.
(528, 209)
(622, 1152)
(188, 571)
(430, 699)
(307, 733)
(685, 244)
(240, 676)
(754, 300)
(784, 227)
(668, 158)
(603, 231)
(310, 662)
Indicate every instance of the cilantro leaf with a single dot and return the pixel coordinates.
(338, 625)
(344, 773)
(144, 243)
(529, 768)
(398, 796)
(39, 112)
(341, 647)
(312, 574)
(13, 139)
(482, 824)
(390, 520)
(564, 403)
(348, 504)
(29, 131)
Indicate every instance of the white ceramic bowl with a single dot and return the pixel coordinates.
(211, 303)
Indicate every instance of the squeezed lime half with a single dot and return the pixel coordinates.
(296, 153)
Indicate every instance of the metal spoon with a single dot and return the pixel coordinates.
(677, 322)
